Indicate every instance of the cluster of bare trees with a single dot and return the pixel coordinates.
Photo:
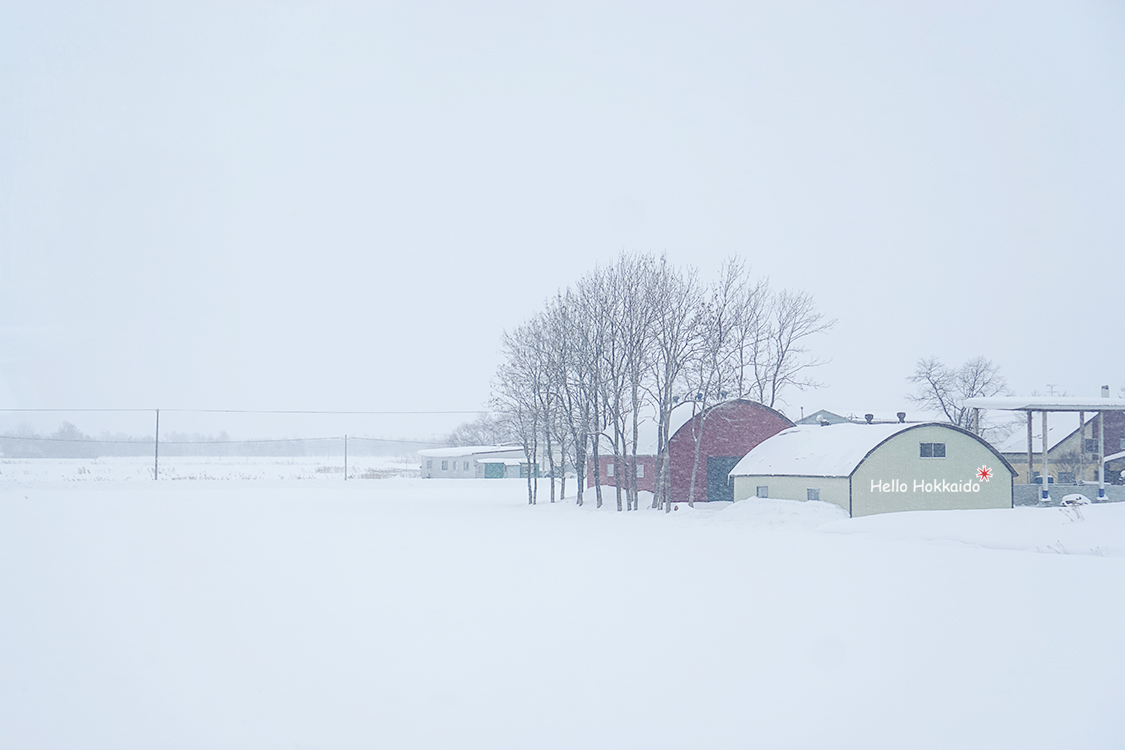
(634, 340)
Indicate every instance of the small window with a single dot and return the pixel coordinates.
(429, 464)
(813, 494)
(466, 466)
(1066, 477)
(931, 450)
(640, 471)
(763, 491)
(1091, 445)
(1122, 446)
(445, 466)
(609, 470)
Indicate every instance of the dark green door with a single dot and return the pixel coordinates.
(718, 488)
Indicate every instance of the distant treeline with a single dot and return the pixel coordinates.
(70, 442)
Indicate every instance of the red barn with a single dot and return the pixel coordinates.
(727, 432)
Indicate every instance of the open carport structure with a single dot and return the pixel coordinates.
(1047, 404)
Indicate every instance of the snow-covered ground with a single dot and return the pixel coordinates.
(409, 613)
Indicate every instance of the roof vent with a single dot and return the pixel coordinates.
(901, 417)
(869, 417)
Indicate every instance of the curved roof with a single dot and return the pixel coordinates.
(647, 443)
(832, 451)
(726, 405)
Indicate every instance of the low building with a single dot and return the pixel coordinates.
(474, 462)
(877, 468)
(823, 416)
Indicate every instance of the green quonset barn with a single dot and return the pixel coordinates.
(878, 468)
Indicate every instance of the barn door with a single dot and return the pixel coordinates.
(718, 488)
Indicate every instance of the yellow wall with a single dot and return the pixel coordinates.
(832, 489)
(895, 477)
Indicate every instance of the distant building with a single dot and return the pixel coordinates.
(1072, 449)
(878, 468)
(823, 416)
(474, 461)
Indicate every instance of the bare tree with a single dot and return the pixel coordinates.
(676, 324)
(944, 390)
(715, 365)
(790, 319)
(517, 396)
(570, 329)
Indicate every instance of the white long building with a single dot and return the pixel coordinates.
(474, 462)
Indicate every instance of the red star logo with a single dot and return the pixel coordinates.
(984, 473)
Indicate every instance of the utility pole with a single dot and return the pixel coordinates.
(156, 455)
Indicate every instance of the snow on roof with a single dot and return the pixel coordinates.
(1056, 433)
(812, 450)
(1047, 403)
(467, 450)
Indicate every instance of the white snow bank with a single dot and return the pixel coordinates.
(1087, 530)
(767, 513)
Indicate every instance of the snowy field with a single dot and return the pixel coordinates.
(409, 613)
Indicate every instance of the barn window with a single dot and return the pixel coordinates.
(445, 466)
(466, 466)
(429, 464)
(609, 470)
(813, 493)
(763, 491)
(931, 450)
(1091, 445)
(640, 470)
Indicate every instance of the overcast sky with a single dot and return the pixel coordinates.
(343, 205)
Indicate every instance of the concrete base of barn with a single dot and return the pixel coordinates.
(1028, 494)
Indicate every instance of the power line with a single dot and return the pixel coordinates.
(145, 441)
(256, 411)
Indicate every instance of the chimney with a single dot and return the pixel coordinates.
(1105, 391)
(901, 417)
(869, 417)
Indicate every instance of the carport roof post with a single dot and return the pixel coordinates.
(1057, 403)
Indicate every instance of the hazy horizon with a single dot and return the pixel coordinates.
(341, 207)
